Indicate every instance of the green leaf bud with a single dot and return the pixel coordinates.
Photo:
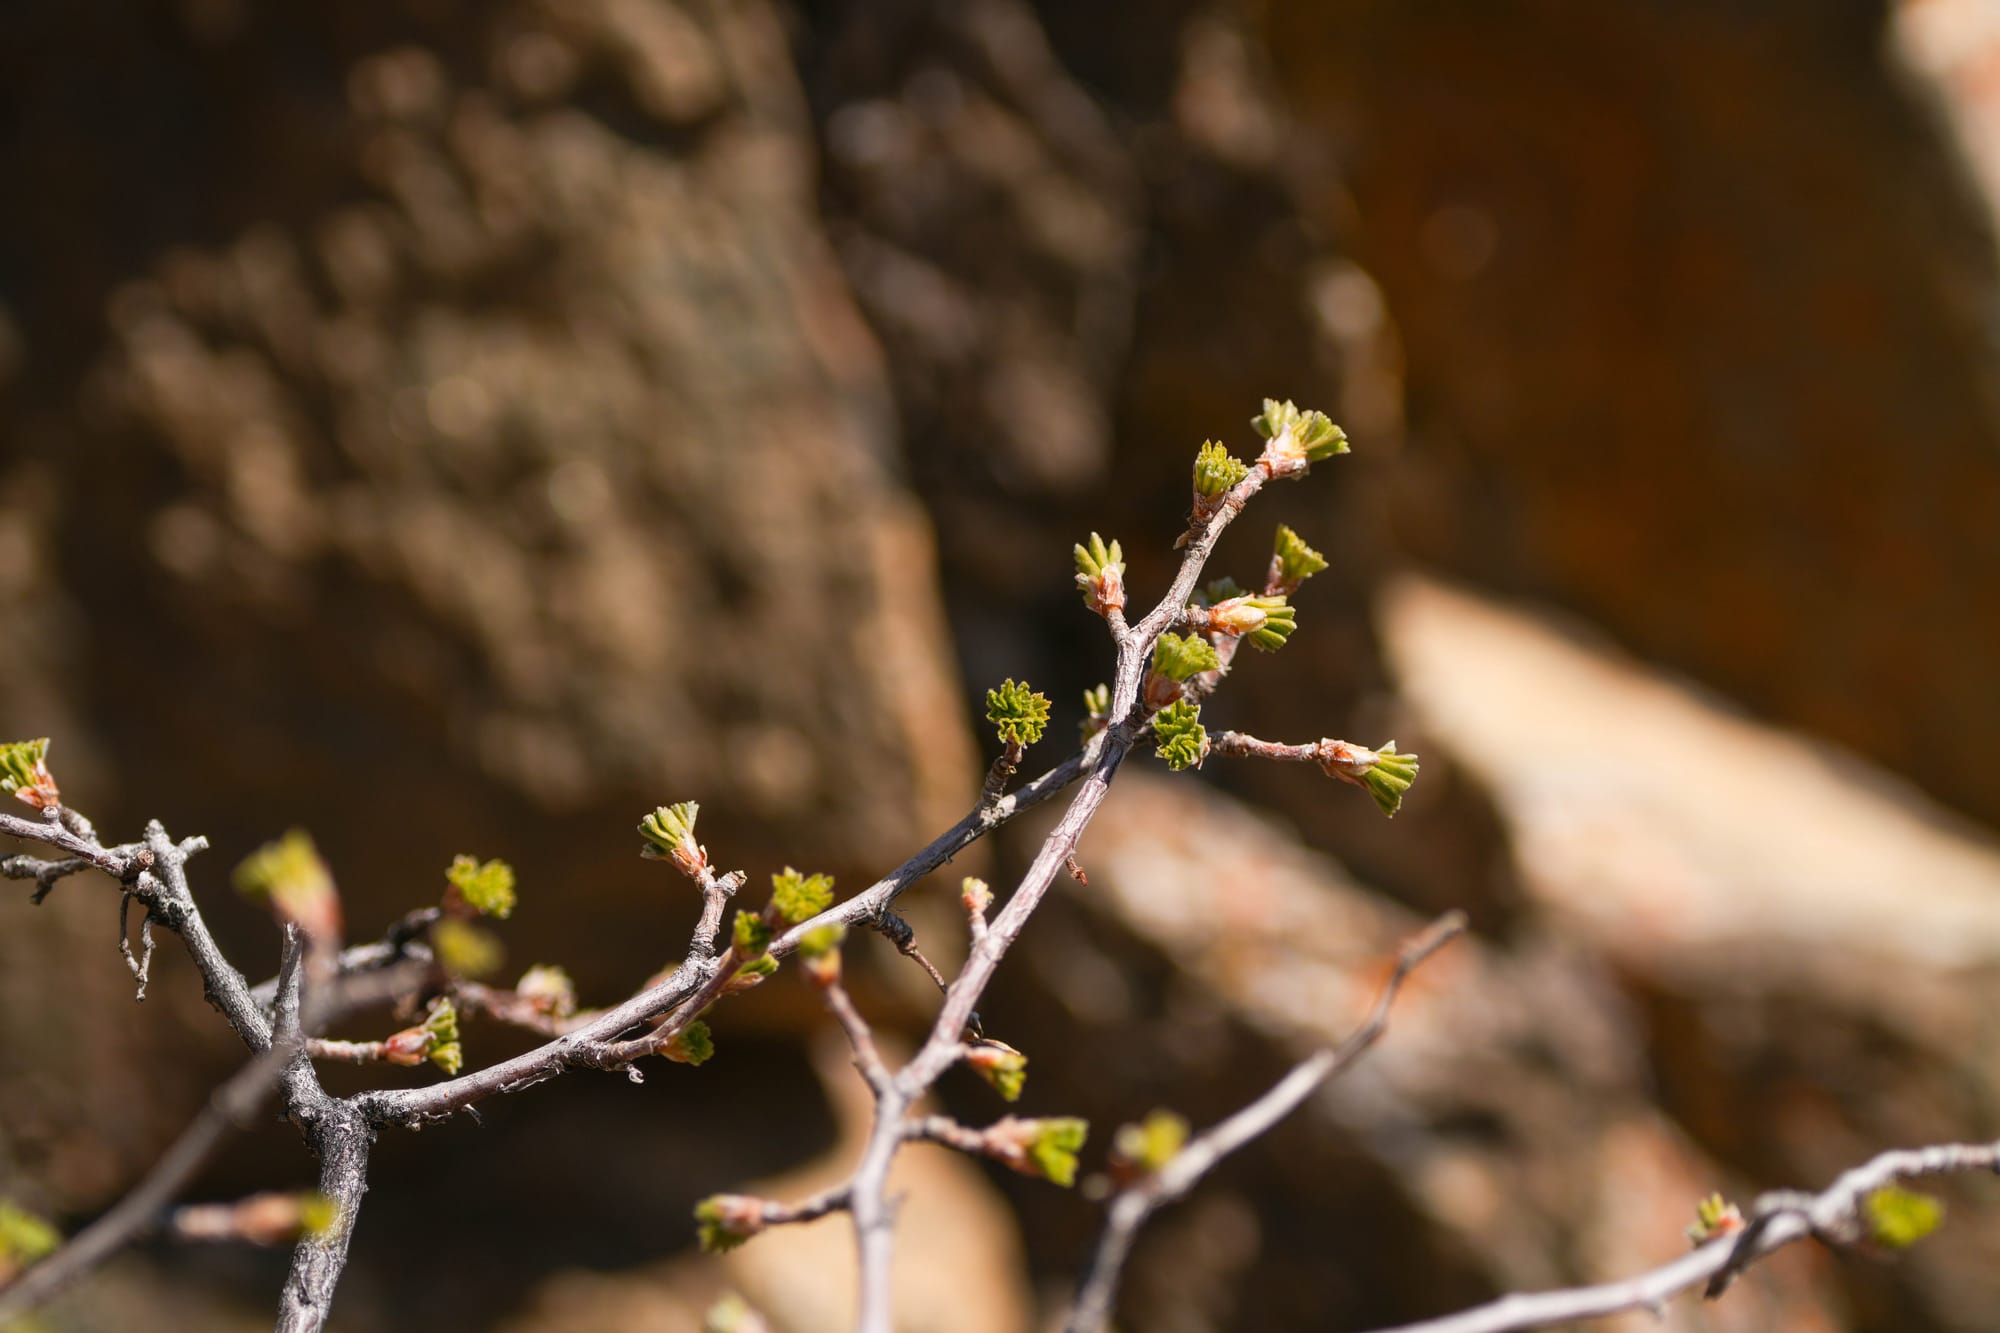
(24, 1238)
(692, 1045)
(796, 897)
(1100, 574)
(1149, 1145)
(669, 832)
(291, 876)
(1296, 439)
(751, 974)
(724, 1221)
(1266, 620)
(1000, 1065)
(1898, 1218)
(1216, 471)
(1714, 1216)
(1179, 738)
(1018, 712)
(487, 889)
(1181, 657)
(750, 937)
(1292, 561)
(441, 1025)
(24, 773)
(1389, 777)
(1057, 1141)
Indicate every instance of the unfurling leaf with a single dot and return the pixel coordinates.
(1179, 738)
(1182, 657)
(669, 832)
(487, 889)
(1017, 712)
(796, 898)
(24, 773)
(1292, 561)
(692, 1045)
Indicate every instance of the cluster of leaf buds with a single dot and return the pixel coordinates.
(1295, 440)
(548, 990)
(435, 1040)
(724, 1221)
(1018, 713)
(290, 875)
(1385, 773)
(261, 1219)
(24, 772)
(1178, 735)
(1216, 472)
(476, 889)
(1177, 659)
(1045, 1148)
(1292, 563)
(1000, 1065)
(669, 832)
(1100, 573)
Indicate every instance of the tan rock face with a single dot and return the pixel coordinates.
(1696, 307)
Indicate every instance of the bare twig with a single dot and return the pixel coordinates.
(866, 1058)
(1135, 1204)
(46, 874)
(1833, 1215)
(140, 1210)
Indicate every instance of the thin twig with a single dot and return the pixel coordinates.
(1135, 1204)
(1834, 1215)
(140, 1210)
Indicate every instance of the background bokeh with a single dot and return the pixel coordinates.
(462, 427)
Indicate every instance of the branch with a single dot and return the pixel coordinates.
(1834, 1216)
(1105, 751)
(590, 1046)
(1138, 1202)
(140, 1210)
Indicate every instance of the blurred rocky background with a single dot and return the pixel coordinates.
(462, 427)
